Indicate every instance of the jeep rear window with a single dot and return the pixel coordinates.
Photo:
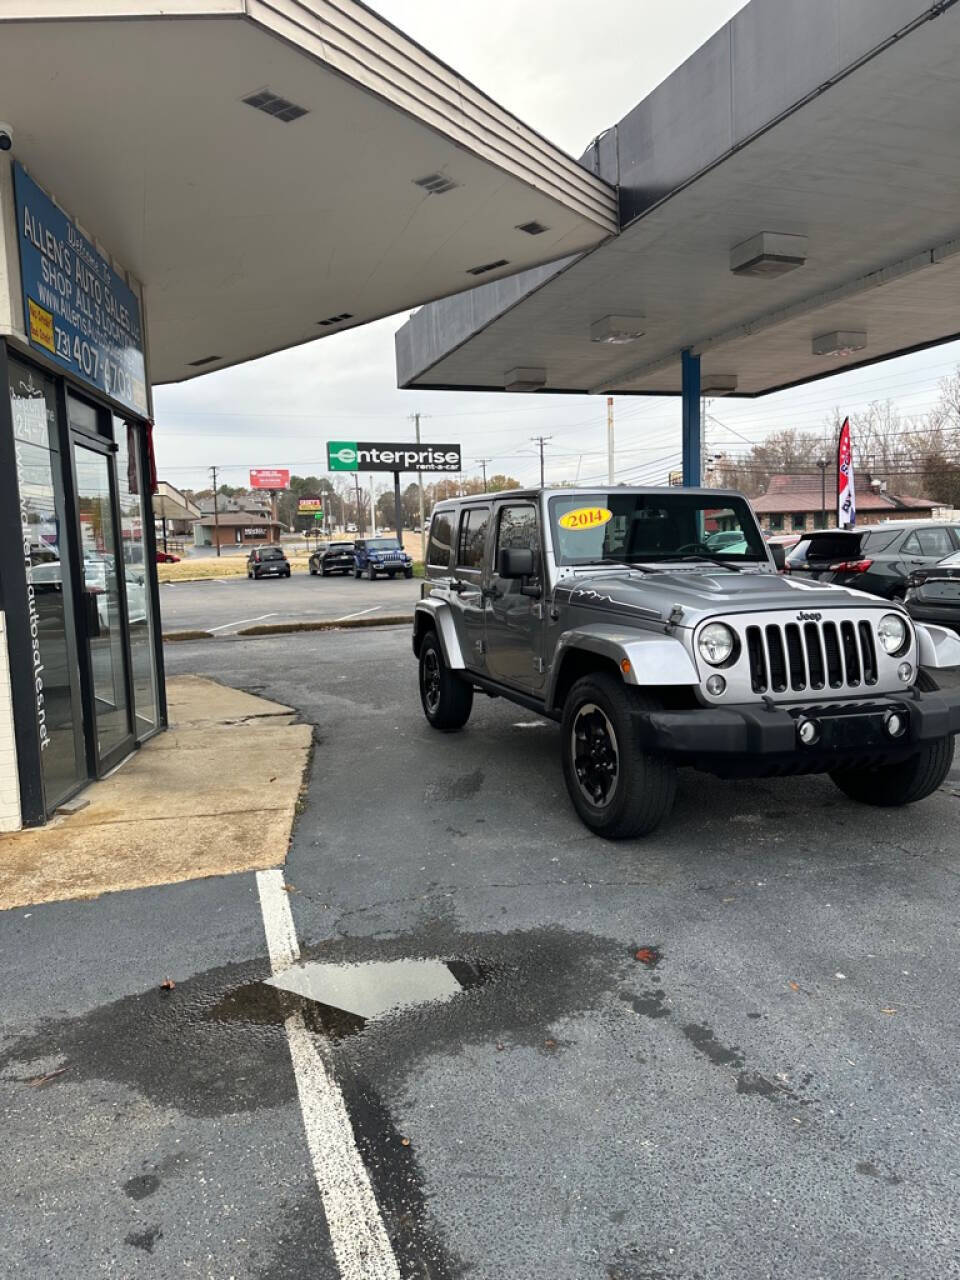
(473, 536)
(440, 547)
(628, 528)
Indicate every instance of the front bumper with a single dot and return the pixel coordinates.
(851, 727)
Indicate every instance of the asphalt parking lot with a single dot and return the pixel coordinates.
(770, 1090)
(224, 605)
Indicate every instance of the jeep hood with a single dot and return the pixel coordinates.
(702, 592)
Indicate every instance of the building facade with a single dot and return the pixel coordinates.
(80, 659)
(236, 528)
(800, 503)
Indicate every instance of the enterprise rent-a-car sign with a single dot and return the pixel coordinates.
(77, 309)
(352, 455)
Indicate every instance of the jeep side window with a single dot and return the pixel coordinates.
(473, 536)
(440, 546)
(517, 527)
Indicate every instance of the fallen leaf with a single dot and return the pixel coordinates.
(550, 1044)
(404, 1142)
(289, 888)
(167, 984)
(649, 956)
(35, 1082)
(794, 986)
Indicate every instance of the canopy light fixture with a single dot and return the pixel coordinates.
(718, 384)
(198, 364)
(771, 253)
(525, 380)
(344, 315)
(273, 105)
(437, 184)
(617, 330)
(487, 266)
(532, 228)
(842, 342)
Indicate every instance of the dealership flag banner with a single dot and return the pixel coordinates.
(846, 496)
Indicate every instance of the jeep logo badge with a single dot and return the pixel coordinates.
(809, 617)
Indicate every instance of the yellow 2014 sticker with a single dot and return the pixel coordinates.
(585, 518)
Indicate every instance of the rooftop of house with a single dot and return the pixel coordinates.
(804, 493)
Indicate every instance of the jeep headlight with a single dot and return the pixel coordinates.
(893, 634)
(717, 643)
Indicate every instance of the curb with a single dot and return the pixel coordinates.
(288, 628)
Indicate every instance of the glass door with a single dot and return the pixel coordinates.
(104, 604)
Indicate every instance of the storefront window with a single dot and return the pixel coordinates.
(49, 601)
(134, 513)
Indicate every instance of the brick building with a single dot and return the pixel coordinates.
(794, 503)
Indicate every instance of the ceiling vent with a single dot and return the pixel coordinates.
(771, 253)
(272, 104)
(617, 330)
(525, 380)
(198, 364)
(344, 315)
(437, 184)
(842, 342)
(718, 384)
(487, 266)
(532, 228)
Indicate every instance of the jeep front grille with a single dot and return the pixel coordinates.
(814, 655)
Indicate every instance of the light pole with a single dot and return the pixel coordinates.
(822, 464)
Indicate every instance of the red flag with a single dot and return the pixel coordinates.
(846, 495)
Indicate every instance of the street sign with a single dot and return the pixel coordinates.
(352, 455)
(78, 309)
(318, 515)
(269, 478)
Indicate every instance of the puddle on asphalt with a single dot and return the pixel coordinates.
(337, 1000)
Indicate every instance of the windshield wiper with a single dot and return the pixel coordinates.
(727, 564)
(627, 564)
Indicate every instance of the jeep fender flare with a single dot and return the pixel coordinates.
(435, 615)
(937, 646)
(655, 660)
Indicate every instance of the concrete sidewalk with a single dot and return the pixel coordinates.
(215, 794)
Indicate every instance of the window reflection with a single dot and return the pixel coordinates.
(135, 509)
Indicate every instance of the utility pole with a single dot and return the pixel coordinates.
(356, 483)
(610, 466)
(423, 515)
(216, 513)
(373, 510)
(483, 467)
(541, 441)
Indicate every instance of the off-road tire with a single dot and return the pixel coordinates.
(645, 784)
(447, 703)
(368, 573)
(888, 786)
(357, 572)
(408, 573)
(313, 569)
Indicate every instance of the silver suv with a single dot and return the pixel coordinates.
(653, 625)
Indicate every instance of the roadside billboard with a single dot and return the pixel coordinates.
(269, 478)
(309, 506)
(353, 455)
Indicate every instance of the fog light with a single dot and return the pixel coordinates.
(809, 732)
(905, 672)
(716, 686)
(895, 723)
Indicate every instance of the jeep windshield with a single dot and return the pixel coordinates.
(620, 527)
(383, 544)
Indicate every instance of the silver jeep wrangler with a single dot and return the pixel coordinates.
(652, 623)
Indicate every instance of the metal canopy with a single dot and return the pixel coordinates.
(254, 227)
(834, 121)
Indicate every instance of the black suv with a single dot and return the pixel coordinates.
(267, 562)
(877, 558)
(332, 557)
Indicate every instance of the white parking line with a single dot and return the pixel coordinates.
(360, 1241)
(241, 622)
(347, 616)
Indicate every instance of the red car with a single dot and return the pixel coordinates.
(167, 557)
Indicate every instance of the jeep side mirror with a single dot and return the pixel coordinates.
(516, 562)
(779, 554)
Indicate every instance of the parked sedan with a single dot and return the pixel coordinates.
(933, 595)
(167, 557)
(878, 558)
(332, 557)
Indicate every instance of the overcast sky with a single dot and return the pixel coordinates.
(570, 77)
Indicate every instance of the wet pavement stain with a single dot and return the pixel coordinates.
(142, 1186)
(752, 1082)
(649, 1005)
(144, 1240)
(704, 1041)
(869, 1170)
(458, 788)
